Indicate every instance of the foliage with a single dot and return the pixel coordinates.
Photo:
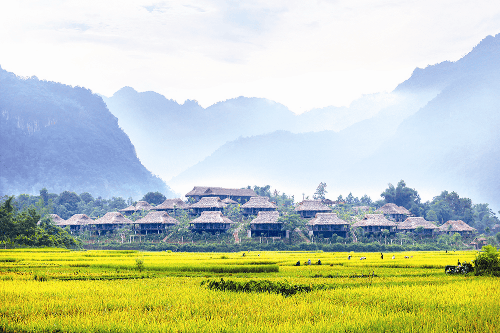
(487, 262)
(154, 198)
(262, 286)
(320, 192)
(401, 196)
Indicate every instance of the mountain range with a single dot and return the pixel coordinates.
(437, 130)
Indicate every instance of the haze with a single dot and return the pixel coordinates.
(301, 54)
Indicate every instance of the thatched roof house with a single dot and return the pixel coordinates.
(109, 222)
(155, 222)
(309, 208)
(266, 224)
(170, 205)
(228, 201)
(394, 212)
(258, 204)
(459, 226)
(142, 205)
(128, 210)
(78, 222)
(411, 224)
(211, 221)
(241, 195)
(59, 221)
(207, 204)
(375, 223)
(327, 224)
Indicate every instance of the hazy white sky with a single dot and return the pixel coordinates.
(303, 54)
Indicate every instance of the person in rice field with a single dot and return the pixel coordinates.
(298, 263)
(381, 255)
(309, 262)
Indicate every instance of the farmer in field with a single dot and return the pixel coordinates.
(298, 263)
(319, 261)
(381, 256)
(309, 262)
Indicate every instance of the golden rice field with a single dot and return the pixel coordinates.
(105, 291)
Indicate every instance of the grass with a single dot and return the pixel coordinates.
(104, 291)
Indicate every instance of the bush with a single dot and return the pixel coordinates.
(487, 262)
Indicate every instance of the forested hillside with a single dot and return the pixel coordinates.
(64, 138)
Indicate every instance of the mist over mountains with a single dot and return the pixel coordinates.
(443, 135)
(437, 131)
(64, 138)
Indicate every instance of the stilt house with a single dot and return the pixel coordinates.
(327, 224)
(155, 222)
(207, 204)
(211, 222)
(309, 208)
(239, 195)
(459, 226)
(412, 224)
(109, 222)
(266, 224)
(258, 204)
(394, 212)
(375, 223)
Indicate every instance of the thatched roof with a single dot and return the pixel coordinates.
(326, 218)
(211, 217)
(266, 217)
(228, 201)
(143, 205)
(113, 218)
(391, 208)
(157, 217)
(128, 209)
(80, 219)
(314, 205)
(413, 223)
(171, 204)
(259, 202)
(208, 202)
(456, 226)
(374, 220)
(58, 220)
(214, 191)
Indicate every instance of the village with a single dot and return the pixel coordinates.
(205, 206)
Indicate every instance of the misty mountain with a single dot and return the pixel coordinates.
(443, 136)
(64, 138)
(170, 137)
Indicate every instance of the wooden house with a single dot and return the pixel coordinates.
(459, 226)
(266, 224)
(394, 212)
(239, 195)
(207, 204)
(258, 204)
(78, 222)
(327, 224)
(171, 205)
(155, 222)
(309, 208)
(59, 221)
(375, 223)
(211, 222)
(413, 224)
(108, 223)
(478, 243)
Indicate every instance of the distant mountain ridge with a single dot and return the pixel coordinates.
(64, 138)
(444, 136)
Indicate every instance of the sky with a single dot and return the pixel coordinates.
(303, 54)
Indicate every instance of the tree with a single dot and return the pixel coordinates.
(431, 216)
(291, 222)
(155, 198)
(320, 192)
(69, 199)
(487, 262)
(401, 195)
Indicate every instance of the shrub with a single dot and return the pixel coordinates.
(487, 262)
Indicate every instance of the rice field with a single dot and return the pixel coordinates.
(53, 290)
